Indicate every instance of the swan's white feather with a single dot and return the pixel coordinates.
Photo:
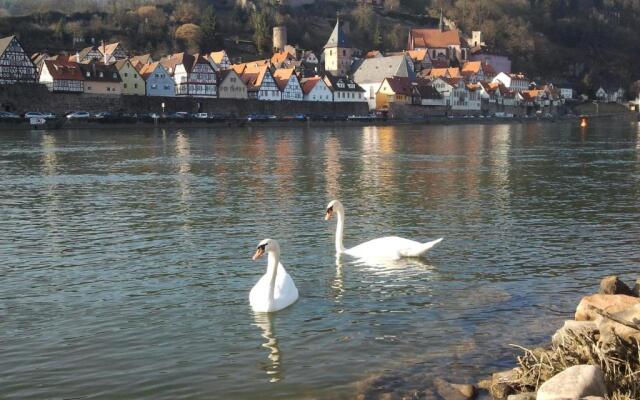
(390, 247)
(285, 292)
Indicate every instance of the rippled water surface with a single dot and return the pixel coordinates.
(125, 255)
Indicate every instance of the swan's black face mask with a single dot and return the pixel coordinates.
(259, 251)
(329, 213)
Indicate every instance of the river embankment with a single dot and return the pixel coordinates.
(287, 122)
(595, 356)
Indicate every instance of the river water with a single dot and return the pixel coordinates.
(125, 255)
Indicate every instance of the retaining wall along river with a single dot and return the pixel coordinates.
(21, 98)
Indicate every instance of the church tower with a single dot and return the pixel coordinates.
(337, 52)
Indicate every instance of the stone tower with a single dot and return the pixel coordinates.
(338, 54)
(279, 38)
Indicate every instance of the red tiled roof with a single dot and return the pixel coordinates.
(64, 70)
(309, 83)
(400, 85)
(434, 38)
(282, 76)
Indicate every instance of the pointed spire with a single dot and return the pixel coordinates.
(337, 38)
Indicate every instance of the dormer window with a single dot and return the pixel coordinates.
(101, 74)
(88, 74)
(115, 76)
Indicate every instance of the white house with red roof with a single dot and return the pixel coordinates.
(315, 89)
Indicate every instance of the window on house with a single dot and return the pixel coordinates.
(135, 85)
(88, 87)
(126, 74)
(135, 75)
(125, 85)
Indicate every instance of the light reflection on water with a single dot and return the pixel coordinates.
(126, 270)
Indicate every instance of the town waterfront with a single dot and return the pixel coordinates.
(126, 254)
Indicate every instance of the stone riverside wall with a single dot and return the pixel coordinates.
(34, 97)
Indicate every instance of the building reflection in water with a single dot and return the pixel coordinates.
(499, 151)
(284, 169)
(183, 160)
(332, 167)
(273, 367)
(638, 142)
(53, 209)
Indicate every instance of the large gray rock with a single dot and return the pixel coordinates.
(448, 391)
(611, 303)
(576, 327)
(502, 383)
(613, 285)
(574, 383)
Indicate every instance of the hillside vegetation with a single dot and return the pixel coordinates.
(586, 42)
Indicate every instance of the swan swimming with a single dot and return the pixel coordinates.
(389, 247)
(275, 290)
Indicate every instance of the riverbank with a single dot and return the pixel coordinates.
(595, 356)
(290, 122)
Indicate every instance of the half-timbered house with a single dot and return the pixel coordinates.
(259, 81)
(61, 76)
(193, 75)
(288, 84)
(15, 64)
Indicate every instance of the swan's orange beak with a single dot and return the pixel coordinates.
(328, 214)
(259, 253)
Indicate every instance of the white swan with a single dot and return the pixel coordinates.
(390, 247)
(275, 290)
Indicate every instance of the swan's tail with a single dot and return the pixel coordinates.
(418, 251)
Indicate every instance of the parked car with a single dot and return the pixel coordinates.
(49, 115)
(104, 115)
(9, 115)
(202, 115)
(78, 115)
(33, 114)
(261, 117)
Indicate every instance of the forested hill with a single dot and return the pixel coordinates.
(585, 42)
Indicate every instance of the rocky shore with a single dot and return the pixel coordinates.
(595, 356)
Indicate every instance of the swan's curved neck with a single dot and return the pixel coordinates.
(339, 231)
(272, 268)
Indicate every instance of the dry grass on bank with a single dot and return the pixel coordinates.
(619, 360)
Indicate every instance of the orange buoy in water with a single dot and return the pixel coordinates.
(583, 122)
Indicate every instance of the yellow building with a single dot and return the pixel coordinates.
(132, 82)
(397, 90)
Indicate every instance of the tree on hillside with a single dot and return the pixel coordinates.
(260, 25)
(190, 35)
(152, 16)
(208, 24)
(187, 12)
(364, 17)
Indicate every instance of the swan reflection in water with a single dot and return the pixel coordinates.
(265, 321)
(382, 266)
